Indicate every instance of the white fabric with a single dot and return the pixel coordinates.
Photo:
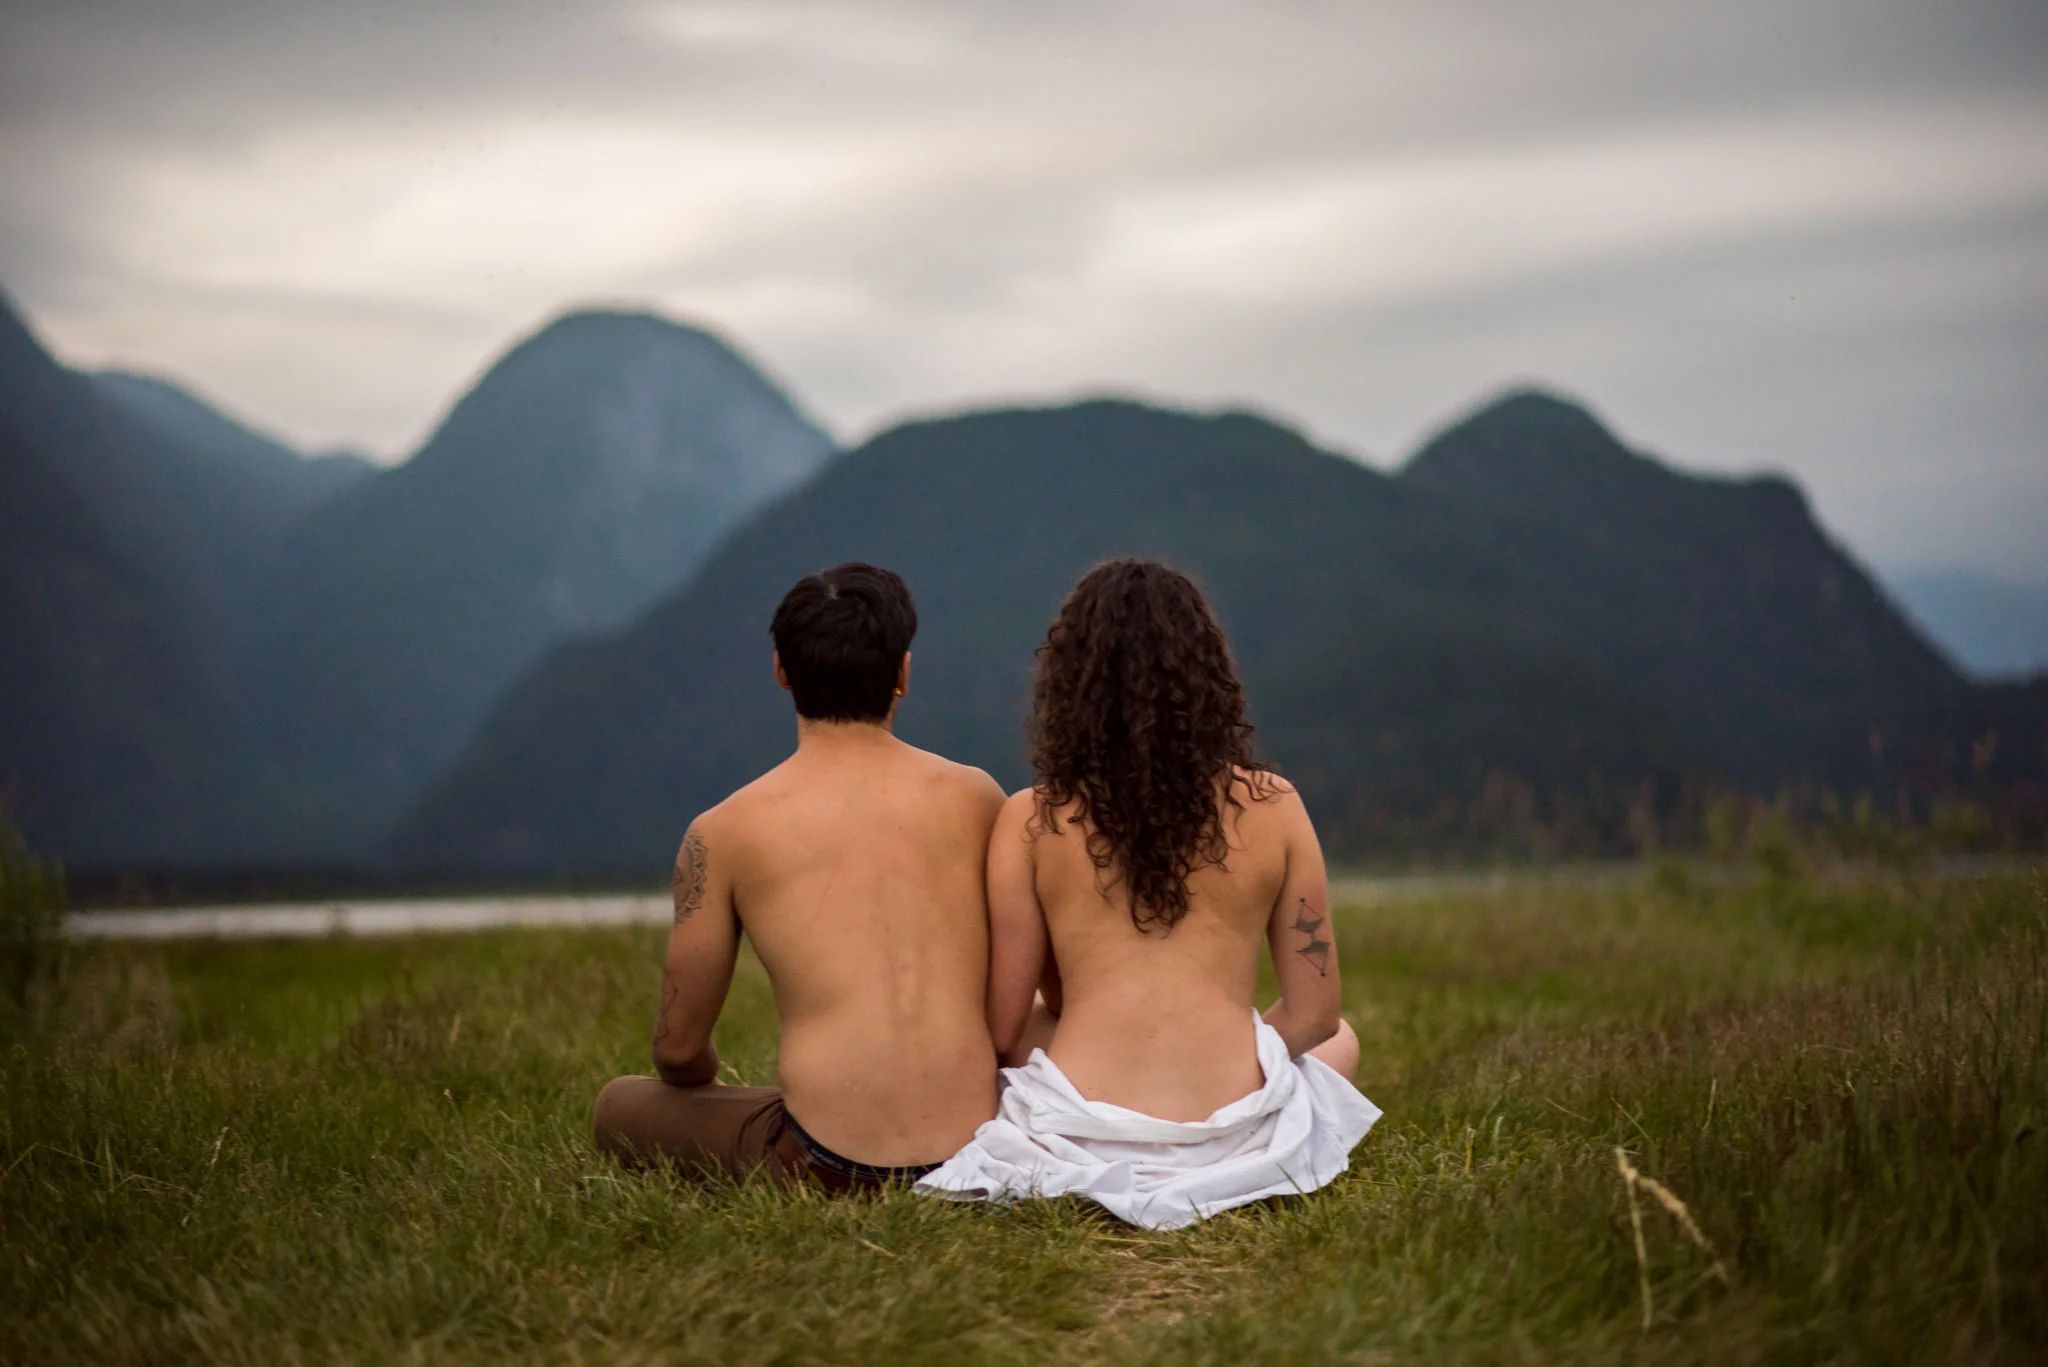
(1293, 1135)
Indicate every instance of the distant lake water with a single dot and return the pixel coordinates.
(441, 915)
(314, 920)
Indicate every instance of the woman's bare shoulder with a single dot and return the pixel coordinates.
(1264, 784)
(1027, 808)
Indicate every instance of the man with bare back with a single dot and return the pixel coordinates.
(856, 868)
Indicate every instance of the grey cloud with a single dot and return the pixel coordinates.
(1882, 351)
(1382, 71)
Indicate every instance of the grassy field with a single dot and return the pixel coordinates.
(378, 1151)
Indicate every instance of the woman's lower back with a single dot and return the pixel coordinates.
(1176, 1055)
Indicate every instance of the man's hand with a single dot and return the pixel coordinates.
(694, 1070)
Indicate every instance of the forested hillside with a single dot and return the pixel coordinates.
(1530, 624)
(131, 561)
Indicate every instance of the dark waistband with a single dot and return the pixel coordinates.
(820, 1156)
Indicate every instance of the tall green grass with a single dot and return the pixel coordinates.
(378, 1151)
(31, 927)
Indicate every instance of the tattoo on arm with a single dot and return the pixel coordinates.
(689, 883)
(1317, 951)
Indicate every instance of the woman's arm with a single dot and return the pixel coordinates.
(1303, 942)
(1017, 944)
(1050, 990)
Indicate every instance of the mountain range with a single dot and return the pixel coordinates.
(1528, 622)
(222, 652)
(539, 645)
(134, 526)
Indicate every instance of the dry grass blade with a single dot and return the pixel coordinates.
(1632, 1178)
(1669, 1200)
(1629, 1178)
(1163, 1290)
(211, 1163)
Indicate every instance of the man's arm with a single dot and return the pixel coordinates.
(1303, 942)
(697, 970)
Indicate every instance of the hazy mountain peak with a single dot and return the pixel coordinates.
(586, 323)
(19, 348)
(622, 443)
(261, 465)
(631, 389)
(1534, 453)
(170, 406)
(1524, 442)
(583, 339)
(1534, 409)
(585, 476)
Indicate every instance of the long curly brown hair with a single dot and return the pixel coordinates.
(1137, 721)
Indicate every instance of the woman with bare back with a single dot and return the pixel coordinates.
(1130, 889)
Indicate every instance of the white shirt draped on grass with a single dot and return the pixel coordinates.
(1293, 1135)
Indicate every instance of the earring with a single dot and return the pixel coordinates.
(899, 692)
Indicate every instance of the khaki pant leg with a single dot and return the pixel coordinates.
(639, 1120)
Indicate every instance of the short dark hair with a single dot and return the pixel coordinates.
(842, 634)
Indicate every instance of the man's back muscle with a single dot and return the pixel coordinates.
(857, 871)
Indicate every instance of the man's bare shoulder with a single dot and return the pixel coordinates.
(772, 786)
(728, 812)
(732, 819)
(970, 781)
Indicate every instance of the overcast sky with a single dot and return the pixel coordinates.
(1808, 237)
